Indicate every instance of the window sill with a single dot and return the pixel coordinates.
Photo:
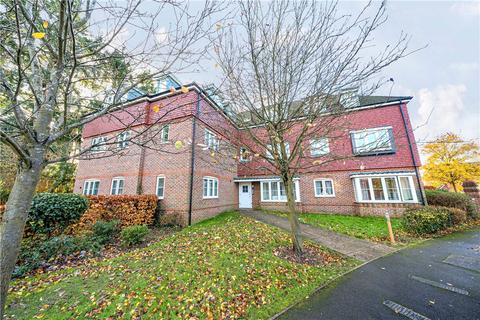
(282, 201)
(373, 153)
(387, 202)
(209, 198)
(325, 196)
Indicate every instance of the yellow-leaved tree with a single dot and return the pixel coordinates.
(451, 161)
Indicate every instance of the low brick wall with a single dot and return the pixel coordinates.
(379, 209)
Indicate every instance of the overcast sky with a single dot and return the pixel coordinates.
(443, 78)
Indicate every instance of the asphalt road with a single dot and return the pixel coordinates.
(438, 279)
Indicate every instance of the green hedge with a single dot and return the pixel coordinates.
(452, 200)
(134, 234)
(426, 220)
(53, 212)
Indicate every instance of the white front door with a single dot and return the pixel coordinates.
(245, 195)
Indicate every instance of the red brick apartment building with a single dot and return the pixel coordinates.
(176, 156)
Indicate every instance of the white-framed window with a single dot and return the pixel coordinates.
(165, 133)
(269, 155)
(391, 188)
(323, 188)
(274, 191)
(123, 139)
(319, 147)
(210, 187)
(373, 140)
(90, 187)
(117, 186)
(211, 140)
(160, 189)
(244, 155)
(99, 144)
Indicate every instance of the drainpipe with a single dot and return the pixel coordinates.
(417, 173)
(192, 162)
(140, 170)
(141, 163)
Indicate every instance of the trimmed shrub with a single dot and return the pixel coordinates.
(452, 200)
(426, 220)
(457, 216)
(129, 210)
(53, 212)
(104, 231)
(134, 235)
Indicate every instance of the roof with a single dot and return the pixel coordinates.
(372, 100)
(382, 173)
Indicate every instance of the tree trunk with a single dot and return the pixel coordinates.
(13, 223)
(297, 241)
(454, 187)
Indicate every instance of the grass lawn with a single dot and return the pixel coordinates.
(371, 228)
(221, 268)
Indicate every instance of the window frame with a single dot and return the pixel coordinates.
(123, 144)
(156, 186)
(269, 155)
(241, 158)
(324, 149)
(397, 177)
(162, 133)
(215, 183)
(92, 182)
(325, 195)
(211, 142)
(98, 147)
(278, 182)
(376, 151)
(117, 188)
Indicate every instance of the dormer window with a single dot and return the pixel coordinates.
(166, 82)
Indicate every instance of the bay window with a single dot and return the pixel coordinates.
(274, 191)
(388, 188)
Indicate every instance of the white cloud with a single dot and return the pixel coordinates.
(464, 68)
(440, 111)
(471, 8)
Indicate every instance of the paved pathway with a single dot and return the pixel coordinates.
(437, 279)
(360, 249)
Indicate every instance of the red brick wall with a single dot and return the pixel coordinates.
(343, 201)
(220, 165)
(174, 164)
(341, 145)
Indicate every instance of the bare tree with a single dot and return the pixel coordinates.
(66, 63)
(288, 68)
